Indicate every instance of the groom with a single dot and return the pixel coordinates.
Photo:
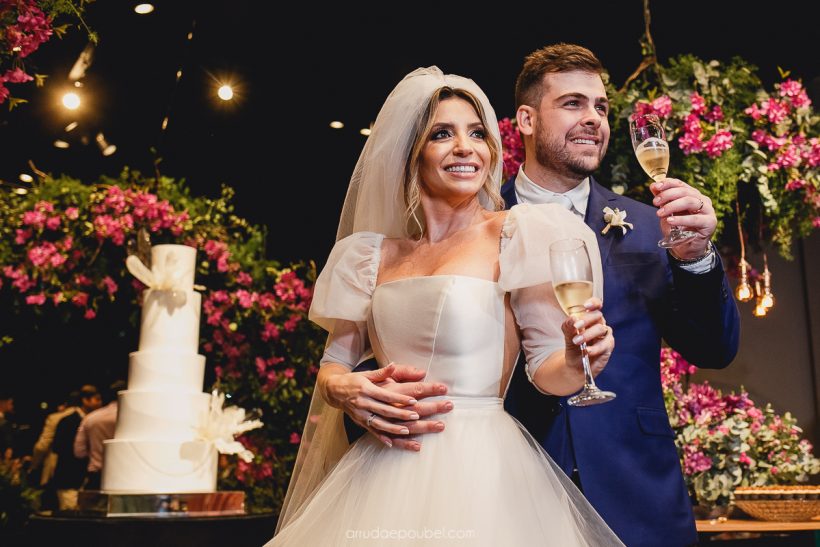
(622, 453)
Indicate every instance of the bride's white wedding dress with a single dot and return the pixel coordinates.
(483, 480)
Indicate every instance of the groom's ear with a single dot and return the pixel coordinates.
(524, 118)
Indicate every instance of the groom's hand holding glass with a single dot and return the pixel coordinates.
(687, 217)
(682, 205)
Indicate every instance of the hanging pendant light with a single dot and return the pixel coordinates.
(743, 291)
(767, 299)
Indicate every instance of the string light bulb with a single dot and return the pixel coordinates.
(760, 310)
(767, 299)
(743, 291)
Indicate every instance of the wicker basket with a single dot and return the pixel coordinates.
(779, 503)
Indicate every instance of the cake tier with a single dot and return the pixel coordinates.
(158, 467)
(170, 320)
(166, 370)
(158, 415)
(173, 266)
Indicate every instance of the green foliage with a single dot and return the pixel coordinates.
(17, 499)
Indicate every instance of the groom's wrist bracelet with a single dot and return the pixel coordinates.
(710, 250)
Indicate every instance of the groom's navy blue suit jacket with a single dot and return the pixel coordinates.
(624, 450)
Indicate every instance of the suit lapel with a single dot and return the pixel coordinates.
(508, 193)
(600, 197)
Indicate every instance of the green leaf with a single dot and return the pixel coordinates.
(700, 74)
(15, 101)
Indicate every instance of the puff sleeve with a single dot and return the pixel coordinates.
(525, 272)
(342, 296)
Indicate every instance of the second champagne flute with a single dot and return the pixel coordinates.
(572, 281)
(652, 151)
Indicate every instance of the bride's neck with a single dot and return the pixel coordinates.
(443, 220)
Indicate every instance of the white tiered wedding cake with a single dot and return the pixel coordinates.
(155, 447)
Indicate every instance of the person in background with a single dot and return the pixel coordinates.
(69, 472)
(43, 457)
(96, 427)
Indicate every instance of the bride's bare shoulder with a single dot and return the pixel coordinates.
(495, 220)
(395, 247)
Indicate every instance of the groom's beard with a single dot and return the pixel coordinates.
(551, 152)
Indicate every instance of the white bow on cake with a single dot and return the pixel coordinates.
(172, 269)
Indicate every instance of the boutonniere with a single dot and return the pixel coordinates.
(615, 218)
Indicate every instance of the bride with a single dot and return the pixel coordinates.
(427, 271)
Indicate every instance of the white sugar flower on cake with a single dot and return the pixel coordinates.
(223, 424)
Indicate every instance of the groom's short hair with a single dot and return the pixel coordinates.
(561, 57)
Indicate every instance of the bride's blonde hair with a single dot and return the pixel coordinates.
(414, 222)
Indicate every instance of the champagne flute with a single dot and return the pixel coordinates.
(652, 151)
(572, 281)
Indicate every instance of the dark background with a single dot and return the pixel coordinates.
(295, 69)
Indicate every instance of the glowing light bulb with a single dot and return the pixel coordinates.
(225, 92)
(768, 298)
(71, 100)
(743, 291)
(760, 310)
(336, 124)
(144, 9)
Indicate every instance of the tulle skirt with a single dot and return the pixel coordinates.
(482, 481)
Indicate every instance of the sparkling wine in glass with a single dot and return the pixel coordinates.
(572, 281)
(652, 151)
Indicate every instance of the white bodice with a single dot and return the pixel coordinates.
(451, 326)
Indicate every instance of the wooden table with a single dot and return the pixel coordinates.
(748, 525)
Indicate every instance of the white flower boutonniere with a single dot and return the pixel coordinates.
(615, 218)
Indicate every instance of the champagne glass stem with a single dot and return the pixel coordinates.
(588, 380)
